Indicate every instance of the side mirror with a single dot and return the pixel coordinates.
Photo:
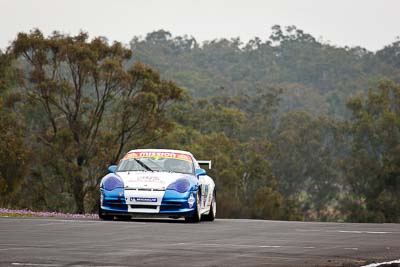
(112, 168)
(200, 172)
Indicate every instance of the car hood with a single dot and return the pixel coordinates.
(151, 180)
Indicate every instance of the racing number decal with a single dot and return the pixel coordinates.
(205, 194)
(205, 190)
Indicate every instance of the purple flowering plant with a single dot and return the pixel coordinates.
(28, 213)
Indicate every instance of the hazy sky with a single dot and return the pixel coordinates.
(368, 23)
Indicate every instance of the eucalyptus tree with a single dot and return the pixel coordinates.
(373, 168)
(93, 107)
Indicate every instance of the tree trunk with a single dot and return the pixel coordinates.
(78, 193)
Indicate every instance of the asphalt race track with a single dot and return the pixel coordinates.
(59, 242)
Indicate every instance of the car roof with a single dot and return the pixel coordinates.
(161, 150)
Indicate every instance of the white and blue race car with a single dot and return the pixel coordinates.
(158, 182)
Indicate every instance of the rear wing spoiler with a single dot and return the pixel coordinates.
(205, 162)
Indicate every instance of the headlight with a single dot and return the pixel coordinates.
(191, 200)
(112, 182)
(180, 185)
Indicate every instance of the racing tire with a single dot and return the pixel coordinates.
(196, 217)
(104, 216)
(213, 210)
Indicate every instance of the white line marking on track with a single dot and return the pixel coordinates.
(230, 245)
(25, 246)
(33, 264)
(381, 263)
(5, 249)
(241, 245)
(363, 232)
(352, 232)
(347, 231)
(253, 246)
(351, 248)
(46, 224)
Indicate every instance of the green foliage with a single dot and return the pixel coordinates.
(86, 99)
(306, 122)
(391, 54)
(309, 70)
(287, 121)
(373, 167)
(14, 156)
(223, 130)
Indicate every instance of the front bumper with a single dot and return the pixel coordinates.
(168, 203)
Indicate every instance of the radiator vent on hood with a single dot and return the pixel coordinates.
(145, 189)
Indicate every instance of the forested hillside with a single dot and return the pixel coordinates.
(314, 76)
(297, 129)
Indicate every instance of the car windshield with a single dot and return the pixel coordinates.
(156, 161)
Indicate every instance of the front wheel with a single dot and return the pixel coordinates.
(213, 210)
(197, 213)
(104, 216)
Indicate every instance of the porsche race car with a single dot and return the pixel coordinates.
(158, 183)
